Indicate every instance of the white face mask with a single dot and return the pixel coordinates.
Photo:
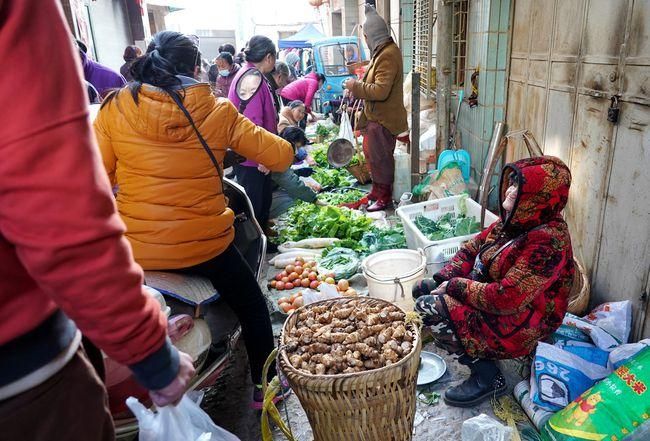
(224, 72)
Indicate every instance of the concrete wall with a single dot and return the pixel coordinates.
(112, 33)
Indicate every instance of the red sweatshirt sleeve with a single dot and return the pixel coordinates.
(56, 206)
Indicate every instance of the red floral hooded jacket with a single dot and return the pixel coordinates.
(524, 294)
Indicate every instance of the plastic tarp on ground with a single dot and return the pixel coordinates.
(301, 38)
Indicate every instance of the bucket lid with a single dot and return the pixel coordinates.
(418, 258)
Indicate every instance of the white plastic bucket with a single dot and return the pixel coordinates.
(391, 275)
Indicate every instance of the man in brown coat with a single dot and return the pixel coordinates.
(384, 115)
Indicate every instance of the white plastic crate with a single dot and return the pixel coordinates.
(439, 252)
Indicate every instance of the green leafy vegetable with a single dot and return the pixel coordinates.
(305, 220)
(342, 197)
(332, 177)
(447, 226)
(381, 239)
(319, 154)
(321, 130)
(430, 398)
(343, 262)
(374, 240)
(356, 160)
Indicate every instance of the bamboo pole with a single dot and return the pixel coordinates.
(443, 73)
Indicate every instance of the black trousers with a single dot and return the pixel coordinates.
(236, 283)
(259, 188)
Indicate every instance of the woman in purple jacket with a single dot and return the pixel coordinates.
(251, 93)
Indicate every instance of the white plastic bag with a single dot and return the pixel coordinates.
(345, 129)
(484, 428)
(613, 317)
(185, 422)
(325, 292)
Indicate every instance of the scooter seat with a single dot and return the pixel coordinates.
(193, 290)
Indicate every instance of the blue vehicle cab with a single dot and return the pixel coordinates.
(330, 56)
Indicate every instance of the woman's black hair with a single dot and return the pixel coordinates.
(228, 48)
(295, 104)
(226, 57)
(169, 54)
(259, 47)
(320, 77)
(294, 135)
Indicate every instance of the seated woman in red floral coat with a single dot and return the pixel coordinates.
(508, 288)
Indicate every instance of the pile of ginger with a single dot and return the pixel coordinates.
(347, 337)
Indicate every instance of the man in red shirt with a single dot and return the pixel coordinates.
(64, 264)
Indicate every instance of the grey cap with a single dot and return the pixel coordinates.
(375, 28)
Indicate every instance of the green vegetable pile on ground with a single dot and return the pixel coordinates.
(381, 239)
(319, 153)
(323, 131)
(343, 262)
(305, 220)
(374, 240)
(447, 226)
(341, 197)
(332, 177)
(356, 160)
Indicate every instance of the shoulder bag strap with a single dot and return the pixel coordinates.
(207, 148)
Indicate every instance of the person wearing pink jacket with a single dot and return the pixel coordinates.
(303, 90)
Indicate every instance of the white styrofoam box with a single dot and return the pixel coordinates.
(439, 252)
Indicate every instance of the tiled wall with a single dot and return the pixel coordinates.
(350, 12)
(406, 45)
(488, 34)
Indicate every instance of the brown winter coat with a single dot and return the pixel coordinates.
(381, 88)
(286, 120)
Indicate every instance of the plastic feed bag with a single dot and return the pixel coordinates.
(184, 422)
(560, 377)
(623, 353)
(613, 410)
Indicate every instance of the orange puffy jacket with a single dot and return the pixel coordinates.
(170, 196)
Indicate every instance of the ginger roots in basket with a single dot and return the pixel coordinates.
(348, 337)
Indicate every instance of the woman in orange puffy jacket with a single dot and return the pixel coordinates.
(170, 192)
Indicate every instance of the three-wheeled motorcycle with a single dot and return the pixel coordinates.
(332, 57)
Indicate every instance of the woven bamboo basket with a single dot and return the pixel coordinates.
(365, 406)
(360, 172)
(580, 290)
(355, 67)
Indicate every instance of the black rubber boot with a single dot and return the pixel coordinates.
(485, 381)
